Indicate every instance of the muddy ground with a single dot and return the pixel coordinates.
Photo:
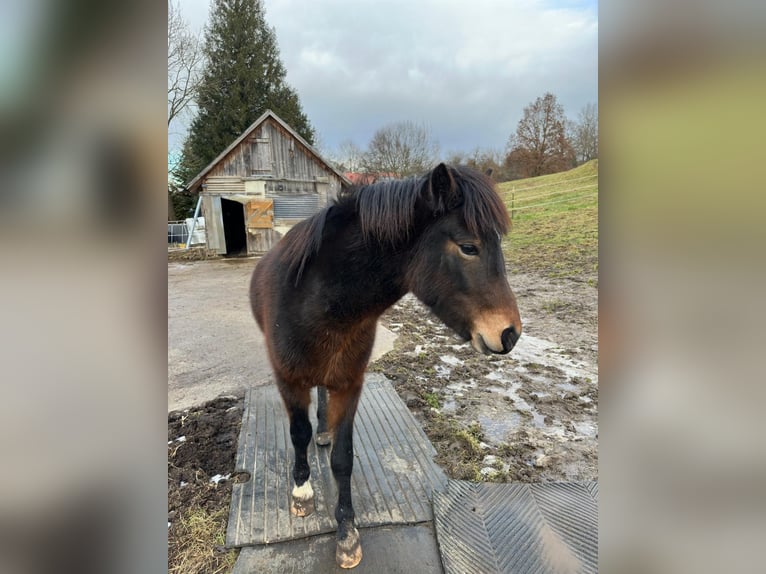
(531, 415)
(528, 416)
(202, 446)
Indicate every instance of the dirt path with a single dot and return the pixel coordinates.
(214, 346)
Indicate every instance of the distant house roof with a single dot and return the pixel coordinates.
(194, 183)
(367, 178)
(359, 178)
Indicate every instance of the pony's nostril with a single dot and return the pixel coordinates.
(509, 338)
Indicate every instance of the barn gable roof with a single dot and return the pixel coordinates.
(194, 183)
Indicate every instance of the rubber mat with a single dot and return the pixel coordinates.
(518, 528)
(392, 482)
(393, 549)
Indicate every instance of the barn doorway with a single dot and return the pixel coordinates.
(234, 227)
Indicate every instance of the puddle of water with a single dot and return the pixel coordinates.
(449, 406)
(586, 428)
(495, 429)
(537, 419)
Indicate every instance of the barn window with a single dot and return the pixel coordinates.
(260, 150)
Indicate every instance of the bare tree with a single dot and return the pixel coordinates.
(540, 145)
(585, 133)
(400, 149)
(349, 156)
(184, 62)
(483, 160)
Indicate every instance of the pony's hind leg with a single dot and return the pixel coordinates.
(323, 436)
(341, 411)
(302, 503)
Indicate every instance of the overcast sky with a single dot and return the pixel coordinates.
(464, 68)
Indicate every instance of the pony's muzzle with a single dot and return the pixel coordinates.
(509, 338)
(496, 333)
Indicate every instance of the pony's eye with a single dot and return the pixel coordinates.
(469, 249)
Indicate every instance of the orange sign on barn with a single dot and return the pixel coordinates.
(259, 214)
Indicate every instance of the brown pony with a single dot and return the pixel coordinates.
(318, 293)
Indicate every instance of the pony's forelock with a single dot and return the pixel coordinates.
(483, 210)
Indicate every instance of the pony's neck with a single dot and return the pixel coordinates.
(363, 278)
(381, 278)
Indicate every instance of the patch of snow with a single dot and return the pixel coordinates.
(219, 477)
(567, 388)
(458, 386)
(531, 349)
(451, 360)
(442, 372)
(497, 376)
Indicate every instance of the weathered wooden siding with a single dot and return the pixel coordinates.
(261, 240)
(211, 209)
(221, 185)
(271, 151)
(291, 175)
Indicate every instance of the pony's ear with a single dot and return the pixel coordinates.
(443, 190)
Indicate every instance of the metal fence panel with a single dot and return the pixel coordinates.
(177, 232)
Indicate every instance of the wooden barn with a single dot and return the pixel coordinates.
(267, 180)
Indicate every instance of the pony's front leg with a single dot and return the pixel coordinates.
(342, 407)
(302, 503)
(324, 436)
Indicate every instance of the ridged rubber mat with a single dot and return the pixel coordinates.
(392, 482)
(517, 528)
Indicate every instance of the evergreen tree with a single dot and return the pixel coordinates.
(243, 77)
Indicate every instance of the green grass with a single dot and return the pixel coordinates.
(554, 227)
(432, 400)
(198, 543)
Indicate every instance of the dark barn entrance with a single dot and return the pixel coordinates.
(234, 227)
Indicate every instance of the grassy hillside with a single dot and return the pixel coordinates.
(554, 222)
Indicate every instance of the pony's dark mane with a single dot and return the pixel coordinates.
(386, 212)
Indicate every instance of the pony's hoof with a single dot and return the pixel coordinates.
(302, 500)
(348, 552)
(324, 438)
(300, 507)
